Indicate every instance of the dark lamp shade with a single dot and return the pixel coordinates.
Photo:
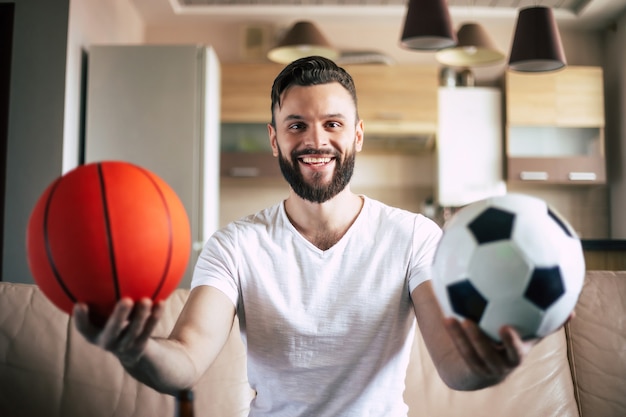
(302, 40)
(427, 26)
(537, 43)
(474, 48)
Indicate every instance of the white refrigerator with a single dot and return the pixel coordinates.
(469, 164)
(158, 106)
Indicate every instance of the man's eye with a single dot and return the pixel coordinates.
(296, 126)
(333, 124)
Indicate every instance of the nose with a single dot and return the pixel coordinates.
(316, 137)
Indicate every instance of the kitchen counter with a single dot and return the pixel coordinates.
(604, 254)
(604, 244)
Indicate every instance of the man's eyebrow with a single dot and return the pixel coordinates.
(327, 116)
(293, 117)
(335, 116)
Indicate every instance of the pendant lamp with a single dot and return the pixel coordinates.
(537, 43)
(474, 48)
(428, 26)
(302, 40)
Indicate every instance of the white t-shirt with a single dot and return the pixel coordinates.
(327, 333)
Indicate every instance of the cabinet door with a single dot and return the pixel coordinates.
(557, 170)
(406, 93)
(570, 97)
(249, 165)
(530, 99)
(531, 170)
(555, 130)
(398, 93)
(245, 92)
(583, 170)
(579, 97)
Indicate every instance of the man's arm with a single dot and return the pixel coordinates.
(165, 364)
(465, 358)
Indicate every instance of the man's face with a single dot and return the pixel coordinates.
(316, 140)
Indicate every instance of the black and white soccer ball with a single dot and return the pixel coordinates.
(509, 260)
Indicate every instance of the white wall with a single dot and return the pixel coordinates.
(35, 120)
(91, 22)
(49, 37)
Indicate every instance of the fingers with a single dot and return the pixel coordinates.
(126, 331)
(571, 316)
(475, 348)
(465, 346)
(118, 324)
(83, 324)
(513, 345)
(483, 355)
(143, 319)
(516, 348)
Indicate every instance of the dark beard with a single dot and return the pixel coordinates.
(317, 192)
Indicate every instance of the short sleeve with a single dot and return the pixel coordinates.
(426, 236)
(217, 264)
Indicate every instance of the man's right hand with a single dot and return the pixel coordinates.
(167, 364)
(127, 330)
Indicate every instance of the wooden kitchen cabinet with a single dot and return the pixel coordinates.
(568, 170)
(245, 92)
(390, 96)
(396, 96)
(570, 97)
(245, 152)
(398, 104)
(555, 127)
(249, 165)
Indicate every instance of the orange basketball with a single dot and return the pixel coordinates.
(104, 231)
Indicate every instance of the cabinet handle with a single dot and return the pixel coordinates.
(244, 172)
(582, 176)
(533, 175)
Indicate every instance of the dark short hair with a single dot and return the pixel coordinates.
(312, 70)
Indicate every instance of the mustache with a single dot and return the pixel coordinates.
(311, 151)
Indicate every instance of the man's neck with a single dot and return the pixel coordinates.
(324, 224)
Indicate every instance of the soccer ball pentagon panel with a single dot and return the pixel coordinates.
(509, 260)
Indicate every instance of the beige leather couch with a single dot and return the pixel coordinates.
(48, 370)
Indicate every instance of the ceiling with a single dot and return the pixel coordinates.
(588, 14)
(567, 4)
(341, 20)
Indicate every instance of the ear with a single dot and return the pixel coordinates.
(358, 144)
(273, 141)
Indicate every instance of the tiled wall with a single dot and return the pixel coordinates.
(406, 181)
(398, 180)
(585, 207)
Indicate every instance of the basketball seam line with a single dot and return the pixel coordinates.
(107, 226)
(168, 261)
(55, 271)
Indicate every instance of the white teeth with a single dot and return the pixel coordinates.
(309, 160)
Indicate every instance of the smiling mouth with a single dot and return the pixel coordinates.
(309, 160)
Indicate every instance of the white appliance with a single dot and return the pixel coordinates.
(469, 145)
(158, 107)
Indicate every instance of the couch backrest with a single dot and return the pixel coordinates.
(542, 386)
(47, 369)
(597, 345)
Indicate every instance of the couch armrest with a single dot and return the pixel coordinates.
(597, 345)
(48, 369)
(542, 386)
(33, 336)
